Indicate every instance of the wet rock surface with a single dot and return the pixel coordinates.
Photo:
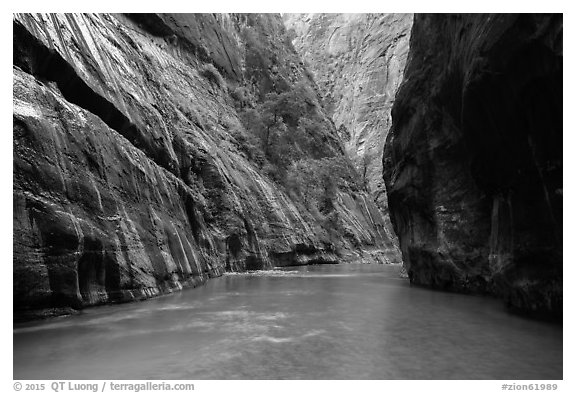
(473, 164)
(128, 180)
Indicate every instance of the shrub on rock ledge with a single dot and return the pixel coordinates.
(210, 72)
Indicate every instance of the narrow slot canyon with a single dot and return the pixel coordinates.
(288, 196)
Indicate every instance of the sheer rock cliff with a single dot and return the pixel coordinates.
(130, 177)
(473, 164)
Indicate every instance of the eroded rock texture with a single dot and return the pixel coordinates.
(357, 61)
(128, 180)
(473, 165)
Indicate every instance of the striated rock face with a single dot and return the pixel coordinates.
(357, 61)
(129, 180)
(473, 165)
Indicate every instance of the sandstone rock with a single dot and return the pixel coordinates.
(128, 181)
(357, 61)
(473, 165)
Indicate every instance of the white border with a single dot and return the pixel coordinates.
(8, 6)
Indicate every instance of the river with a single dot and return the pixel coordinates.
(313, 322)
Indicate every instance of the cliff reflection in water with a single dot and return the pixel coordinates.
(315, 322)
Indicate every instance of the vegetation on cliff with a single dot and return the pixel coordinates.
(153, 152)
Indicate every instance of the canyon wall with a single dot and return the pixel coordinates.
(357, 61)
(132, 172)
(473, 164)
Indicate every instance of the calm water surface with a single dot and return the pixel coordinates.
(314, 322)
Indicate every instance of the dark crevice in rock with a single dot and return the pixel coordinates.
(167, 26)
(46, 64)
(152, 23)
(97, 273)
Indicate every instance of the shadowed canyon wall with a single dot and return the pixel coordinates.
(473, 164)
(132, 174)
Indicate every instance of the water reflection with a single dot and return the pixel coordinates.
(316, 322)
